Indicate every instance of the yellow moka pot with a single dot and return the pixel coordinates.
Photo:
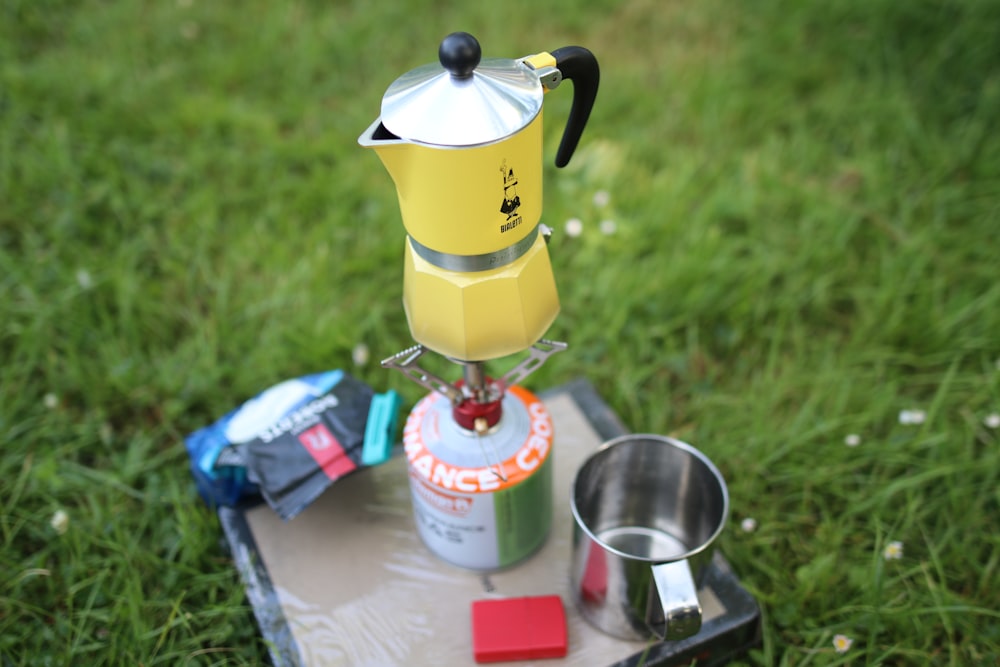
(462, 141)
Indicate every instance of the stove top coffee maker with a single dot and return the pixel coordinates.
(462, 141)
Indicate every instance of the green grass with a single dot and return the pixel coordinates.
(806, 198)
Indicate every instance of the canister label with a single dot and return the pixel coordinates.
(465, 512)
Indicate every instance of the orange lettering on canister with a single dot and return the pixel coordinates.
(483, 479)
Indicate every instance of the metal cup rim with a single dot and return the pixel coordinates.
(673, 442)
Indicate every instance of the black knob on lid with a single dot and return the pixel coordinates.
(460, 53)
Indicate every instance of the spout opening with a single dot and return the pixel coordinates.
(378, 135)
(382, 133)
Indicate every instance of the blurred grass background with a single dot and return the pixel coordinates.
(804, 198)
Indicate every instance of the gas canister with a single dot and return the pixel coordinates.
(476, 516)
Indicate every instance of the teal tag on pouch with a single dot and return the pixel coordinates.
(381, 428)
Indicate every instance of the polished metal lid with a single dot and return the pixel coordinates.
(463, 101)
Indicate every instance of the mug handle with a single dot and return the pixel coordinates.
(675, 612)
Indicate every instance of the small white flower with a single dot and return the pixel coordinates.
(574, 227)
(60, 522)
(912, 416)
(842, 643)
(852, 440)
(359, 355)
(601, 198)
(893, 550)
(992, 420)
(748, 525)
(84, 279)
(190, 30)
(608, 227)
(51, 401)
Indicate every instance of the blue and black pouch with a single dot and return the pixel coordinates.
(292, 441)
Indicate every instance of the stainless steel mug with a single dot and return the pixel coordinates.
(647, 510)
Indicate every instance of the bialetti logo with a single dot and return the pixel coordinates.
(507, 226)
(511, 202)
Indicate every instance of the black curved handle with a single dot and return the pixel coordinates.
(579, 65)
